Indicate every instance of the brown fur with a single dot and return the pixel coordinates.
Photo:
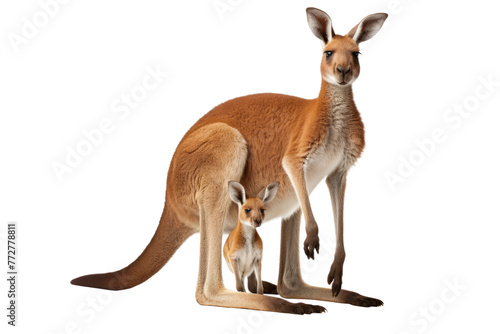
(254, 139)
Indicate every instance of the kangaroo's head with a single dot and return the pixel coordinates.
(340, 63)
(252, 210)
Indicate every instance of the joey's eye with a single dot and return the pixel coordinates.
(328, 54)
(356, 54)
(262, 211)
(248, 210)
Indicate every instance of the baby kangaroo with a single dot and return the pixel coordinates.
(243, 247)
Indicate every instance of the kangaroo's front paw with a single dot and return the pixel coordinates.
(335, 276)
(310, 244)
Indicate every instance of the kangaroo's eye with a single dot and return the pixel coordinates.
(356, 54)
(328, 54)
(248, 210)
(262, 211)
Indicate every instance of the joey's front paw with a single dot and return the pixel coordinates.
(310, 244)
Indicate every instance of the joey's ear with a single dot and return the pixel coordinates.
(267, 194)
(368, 27)
(237, 192)
(320, 24)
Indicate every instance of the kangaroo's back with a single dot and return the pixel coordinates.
(268, 122)
(260, 118)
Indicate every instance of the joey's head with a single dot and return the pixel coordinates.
(252, 211)
(340, 62)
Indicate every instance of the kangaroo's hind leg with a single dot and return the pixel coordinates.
(222, 152)
(290, 283)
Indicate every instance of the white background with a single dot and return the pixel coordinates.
(403, 245)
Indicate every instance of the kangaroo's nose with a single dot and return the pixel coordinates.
(258, 222)
(343, 70)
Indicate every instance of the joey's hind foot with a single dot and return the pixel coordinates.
(269, 288)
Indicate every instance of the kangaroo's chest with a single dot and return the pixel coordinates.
(336, 152)
(329, 156)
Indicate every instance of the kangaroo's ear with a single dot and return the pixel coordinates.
(237, 192)
(267, 194)
(320, 24)
(368, 27)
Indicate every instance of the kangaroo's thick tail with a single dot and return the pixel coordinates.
(169, 236)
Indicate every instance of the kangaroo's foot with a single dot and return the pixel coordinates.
(227, 298)
(304, 291)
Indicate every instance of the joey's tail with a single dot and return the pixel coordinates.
(169, 236)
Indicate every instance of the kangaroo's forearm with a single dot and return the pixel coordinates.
(295, 172)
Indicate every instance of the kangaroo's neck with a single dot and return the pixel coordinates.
(336, 99)
(247, 232)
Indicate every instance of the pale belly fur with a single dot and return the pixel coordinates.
(246, 256)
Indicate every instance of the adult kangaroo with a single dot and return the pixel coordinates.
(310, 140)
